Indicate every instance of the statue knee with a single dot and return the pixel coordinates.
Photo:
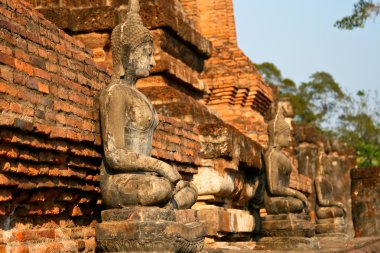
(284, 205)
(154, 191)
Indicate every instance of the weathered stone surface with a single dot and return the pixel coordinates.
(289, 243)
(95, 16)
(138, 214)
(331, 226)
(149, 229)
(366, 201)
(291, 225)
(220, 221)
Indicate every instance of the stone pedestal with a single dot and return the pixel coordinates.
(288, 232)
(230, 224)
(149, 229)
(331, 226)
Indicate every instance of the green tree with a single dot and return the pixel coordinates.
(321, 102)
(359, 125)
(318, 99)
(363, 10)
(272, 76)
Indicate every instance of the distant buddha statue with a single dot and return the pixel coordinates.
(279, 198)
(129, 175)
(324, 186)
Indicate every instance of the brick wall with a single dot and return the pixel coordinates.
(237, 91)
(50, 145)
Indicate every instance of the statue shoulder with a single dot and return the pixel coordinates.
(113, 91)
(272, 153)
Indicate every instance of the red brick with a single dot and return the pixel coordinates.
(68, 73)
(7, 89)
(37, 61)
(27, 96)
(24, 67)
(51, 67)
(19, 249)
(6, 50)
(52, 56)
(6, 120)
(42, 128)
(15, 107)
(19, 54)
(32, 48)
(81, 99)
(4, 105)
(6, 73)
(23, 124)
(7, 60)
(42, 74)
(44, 88)
(31, 83)
(58, 132)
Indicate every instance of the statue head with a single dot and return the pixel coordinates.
(279, 131)
(137, 43)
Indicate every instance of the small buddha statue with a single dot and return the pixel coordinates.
(129, 175)
(278, 197)
(327, 206)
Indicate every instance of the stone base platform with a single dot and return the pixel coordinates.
(353, 245)
(288, 243)
(288, 232)
(226, 223)
(331, 226)
(287, 225)
(149, 229)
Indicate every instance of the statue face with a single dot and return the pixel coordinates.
(141, 60)
(283, 139)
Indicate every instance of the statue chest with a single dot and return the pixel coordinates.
(285, 166)
(140, 115)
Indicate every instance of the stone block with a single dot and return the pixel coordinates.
(289, 243)
(287, 225)
(221, 221)
(148, 229)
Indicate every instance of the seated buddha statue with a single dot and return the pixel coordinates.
(278, 197)
(327, 206)
(129, 175)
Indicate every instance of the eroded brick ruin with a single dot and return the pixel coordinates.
(213, 107)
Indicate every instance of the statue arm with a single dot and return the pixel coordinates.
(123, 161)
(117, 156)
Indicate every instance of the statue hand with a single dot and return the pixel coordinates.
(170, 173)
(339, 204)
(305, 201)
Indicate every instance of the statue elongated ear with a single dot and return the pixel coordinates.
(133, 6)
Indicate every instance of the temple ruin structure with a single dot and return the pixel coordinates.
(213, 109)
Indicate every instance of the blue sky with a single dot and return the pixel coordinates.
(298, 36)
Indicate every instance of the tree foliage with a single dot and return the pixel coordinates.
(363, 10)
(359, 125)
(320, 101)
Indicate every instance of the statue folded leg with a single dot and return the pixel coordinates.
(330, 212)
(123, 190)
(283, 205)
